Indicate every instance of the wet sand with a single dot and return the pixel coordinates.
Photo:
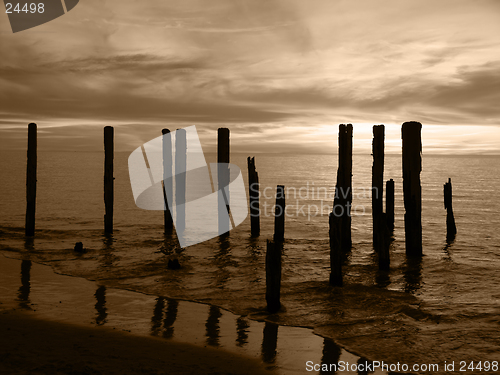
(29, 345)
(58, 324)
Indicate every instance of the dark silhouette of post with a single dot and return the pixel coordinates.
(223, 179)
(336, 254)
(253, 193)
(279, 214)
(451, 229)
(412, 190)
(108, 178)
(343, 190)
(377, 180)
(167, 179)
(389, 203)
(180, 180)
(31, 180)
(273, 276)
(170, 317)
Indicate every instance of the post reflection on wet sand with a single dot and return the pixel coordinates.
(269, 342)
(331, 355)
(212, 326)
(241, 331)
(23, 294)
(100, 306)
(170, 317)
(156, 320)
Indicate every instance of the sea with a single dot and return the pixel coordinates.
(442, 308)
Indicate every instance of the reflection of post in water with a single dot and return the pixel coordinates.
(212, 326)
(269, 342)
(222, 259)
(331, 355)
(413, 274)
(100, 306)
(180, 180)
(170, 317)
(167, 179)
(241, 331)
(157, 316)
(223, 179)
(23, 295)
(107, 256)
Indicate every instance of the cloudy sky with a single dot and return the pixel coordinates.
(281, 74)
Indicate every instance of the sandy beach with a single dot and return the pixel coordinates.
(29, 345)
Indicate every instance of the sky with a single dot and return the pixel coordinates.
(280, 74)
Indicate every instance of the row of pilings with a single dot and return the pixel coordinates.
(339, 218)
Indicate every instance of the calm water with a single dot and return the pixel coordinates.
(445, 307)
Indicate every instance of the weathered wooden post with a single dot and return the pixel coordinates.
(377, 180)
(29, 227)
(451, 229)
(223, 179)
(167, 179)
(180, 180)
(273, 276)
(343, 190)
(336, 254)
(108, 178)
(412, 190)
(279, 214)
(389, 203)
(384, 242)
(253, 193)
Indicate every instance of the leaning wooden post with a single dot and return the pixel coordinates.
(253, 193)
(343, 190)
(412, 190)
(180, 180)
(31, 166)
(336, 255)
(273, 276)
(108, 178)
(451, 229)
(377, 180)
(167, 179)
(223, 179)
(279, 214)
(389, 203)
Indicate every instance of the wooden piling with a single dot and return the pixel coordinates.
(279, 214)
(377, 180)
(223, 178)
(180, 180)
(336, 253)
(451, 229)
(31, 166)
(412, 190)
(167, 179)
(253, 193)
(343, 190)
(273, 276)
(108, 178)
(389, 203)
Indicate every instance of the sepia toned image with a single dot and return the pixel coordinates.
(250, 187)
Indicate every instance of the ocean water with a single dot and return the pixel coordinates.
(442, 308)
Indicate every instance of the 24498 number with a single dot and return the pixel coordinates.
(33, 8)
